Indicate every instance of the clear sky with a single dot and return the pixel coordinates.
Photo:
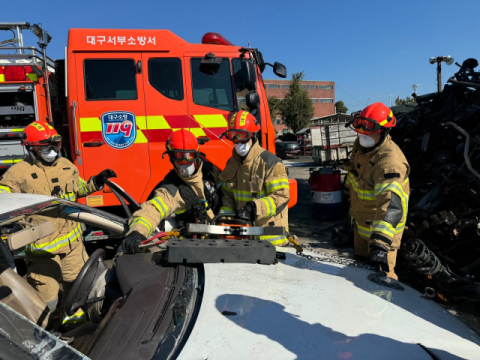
(371, 49)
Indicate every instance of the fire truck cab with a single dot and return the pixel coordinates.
(119, 94)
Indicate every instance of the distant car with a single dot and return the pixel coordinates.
(287, 150)
(295, 308)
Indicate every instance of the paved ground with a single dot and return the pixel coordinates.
(316, 234)
(310, 232)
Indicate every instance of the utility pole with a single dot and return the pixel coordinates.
(391, 99)
(448, 60)
(415, 87)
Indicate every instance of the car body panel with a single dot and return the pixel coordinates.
(12, 202)
(301, 309)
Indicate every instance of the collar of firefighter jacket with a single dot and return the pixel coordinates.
(196, 178)
(41, 165)
(373, 152)
(236, 161)
(252, 154)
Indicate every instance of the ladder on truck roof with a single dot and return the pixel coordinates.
(18, 104)
(24, 55)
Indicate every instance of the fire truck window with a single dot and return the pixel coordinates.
(240, 89)
(212, 90)
(110, 80)
(165, 75)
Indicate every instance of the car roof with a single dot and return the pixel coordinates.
(303, 309)
(11, 201)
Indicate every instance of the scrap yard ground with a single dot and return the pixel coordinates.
(316, 234)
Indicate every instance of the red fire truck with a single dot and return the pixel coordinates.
(119, 94)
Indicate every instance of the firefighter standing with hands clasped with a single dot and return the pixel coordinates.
(255, 182)
(189, 191)
(377, 182)
(61, 255)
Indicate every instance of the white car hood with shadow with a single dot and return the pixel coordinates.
(301, 309)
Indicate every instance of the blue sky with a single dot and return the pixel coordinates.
(371, 49)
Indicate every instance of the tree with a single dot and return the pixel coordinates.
(408, 100)
(273, 105)
(296, 108)
(340, 107)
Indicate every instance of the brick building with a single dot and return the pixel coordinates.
(321, 93)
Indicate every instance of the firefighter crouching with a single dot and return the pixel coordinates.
(189, 191)
(255, 182)
(60, 256)
(377, 182)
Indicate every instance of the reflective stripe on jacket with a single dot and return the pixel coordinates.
(261, 178)
(35, 178)
(167, 200)
(378, 184)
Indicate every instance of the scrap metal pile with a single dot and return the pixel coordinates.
(441, 140)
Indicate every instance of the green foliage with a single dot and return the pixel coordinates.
(274, 106)
(296, 108)
(408, 100)
(340, 107)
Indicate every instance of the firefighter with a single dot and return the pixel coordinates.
(255, 182)
(377, 182)
(61, 255)
(189, 191)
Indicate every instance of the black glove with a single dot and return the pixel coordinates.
(99, 180)
(248, 212)
(132, 242)
(378, 257)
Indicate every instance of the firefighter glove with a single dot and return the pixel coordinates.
(132, 242)
(247, 213)
(378, 257)
(100, 179)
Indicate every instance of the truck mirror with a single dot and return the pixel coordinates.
(248, 74)
(253, 100)
(280, 70)
(210, 64)
(261, 63)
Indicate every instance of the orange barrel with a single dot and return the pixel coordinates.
(326, 191)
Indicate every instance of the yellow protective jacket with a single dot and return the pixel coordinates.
(377, 182)
(32, 177)
(167, 200)
(261, 178)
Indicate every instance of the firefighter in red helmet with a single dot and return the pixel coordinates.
(189, 191)
(254, 182)
(61, 255)
(377, 182)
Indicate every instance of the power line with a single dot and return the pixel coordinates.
(350, 95)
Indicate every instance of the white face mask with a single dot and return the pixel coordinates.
(242, 149)
(49, 155)
(186, 170)
(366, 141)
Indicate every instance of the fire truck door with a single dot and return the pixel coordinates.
(112, 124)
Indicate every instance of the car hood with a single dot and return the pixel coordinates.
(301, 309)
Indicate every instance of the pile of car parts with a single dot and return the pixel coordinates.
(441, 140)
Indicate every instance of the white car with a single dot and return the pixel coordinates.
(298, 308)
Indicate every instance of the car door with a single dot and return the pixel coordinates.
(166, 106)
(111, 118)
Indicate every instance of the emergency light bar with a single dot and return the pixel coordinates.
(215, 39)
